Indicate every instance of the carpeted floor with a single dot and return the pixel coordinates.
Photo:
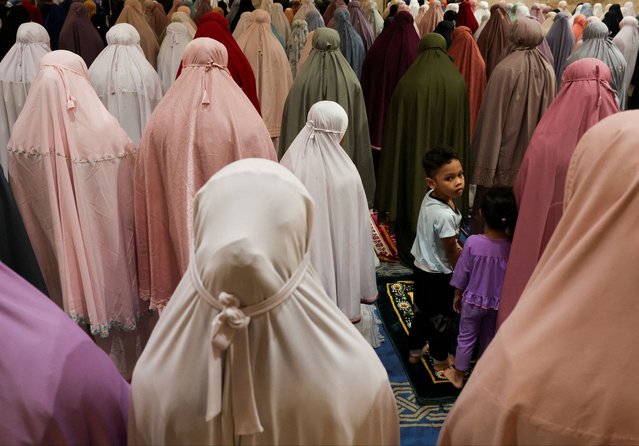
(420, 423)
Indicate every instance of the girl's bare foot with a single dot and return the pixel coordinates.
(456, 377)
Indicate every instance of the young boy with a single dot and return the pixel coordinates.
(436, 251)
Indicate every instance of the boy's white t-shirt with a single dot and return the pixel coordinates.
(436, 221)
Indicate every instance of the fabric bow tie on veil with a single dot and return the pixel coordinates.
(310, 125)
(67, 92)
(229, 333)
(208, 66)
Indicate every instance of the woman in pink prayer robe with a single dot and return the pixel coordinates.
(562, 370)
(585, 98)
(71, 172)
(57, 386)
(203, 123)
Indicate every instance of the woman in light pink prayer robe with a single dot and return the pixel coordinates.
(71, 171)
(562, 369)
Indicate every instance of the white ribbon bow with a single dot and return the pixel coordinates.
(229, 332)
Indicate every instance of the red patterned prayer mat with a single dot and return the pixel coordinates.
(383, 240)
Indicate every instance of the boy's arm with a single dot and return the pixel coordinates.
(452, 249)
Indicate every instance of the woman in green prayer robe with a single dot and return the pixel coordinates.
(429, 107)
(327, 76)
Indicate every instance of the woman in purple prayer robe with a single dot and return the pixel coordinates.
(56, 385)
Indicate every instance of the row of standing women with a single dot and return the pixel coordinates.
(85, 175)
(133, 110)
(92, 203)
(86, 162)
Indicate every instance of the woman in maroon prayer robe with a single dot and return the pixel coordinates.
(386, 62)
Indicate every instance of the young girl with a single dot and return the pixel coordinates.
(478, 278)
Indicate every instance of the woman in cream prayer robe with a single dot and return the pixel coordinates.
(249, 322)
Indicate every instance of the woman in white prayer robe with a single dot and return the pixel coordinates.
(170, 57)
(17, 70)
(126, 83)
(341, 247)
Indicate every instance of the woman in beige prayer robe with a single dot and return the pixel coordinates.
(273, 75)
(518, 92)
(133, 14)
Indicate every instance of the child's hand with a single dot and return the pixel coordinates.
(457, 302)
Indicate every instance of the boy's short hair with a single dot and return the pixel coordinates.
(436, 157)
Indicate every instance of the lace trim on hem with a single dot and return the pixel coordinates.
(153, 305)
(377, 333)
(483, 176)
(103, 330)
(370, 300)
(35, 152)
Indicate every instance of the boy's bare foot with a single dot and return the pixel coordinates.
(456, 377)
(415, 357)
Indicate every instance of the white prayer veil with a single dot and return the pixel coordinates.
(628, 10)
(413, 6)
(125, 81)
(522, 11)
(627, 41)
(17, 70)
(175, 40)
(248, 323)
(341, 248)
(482, 15)
(597, 10)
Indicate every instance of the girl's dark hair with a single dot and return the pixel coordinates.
(499, 209)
